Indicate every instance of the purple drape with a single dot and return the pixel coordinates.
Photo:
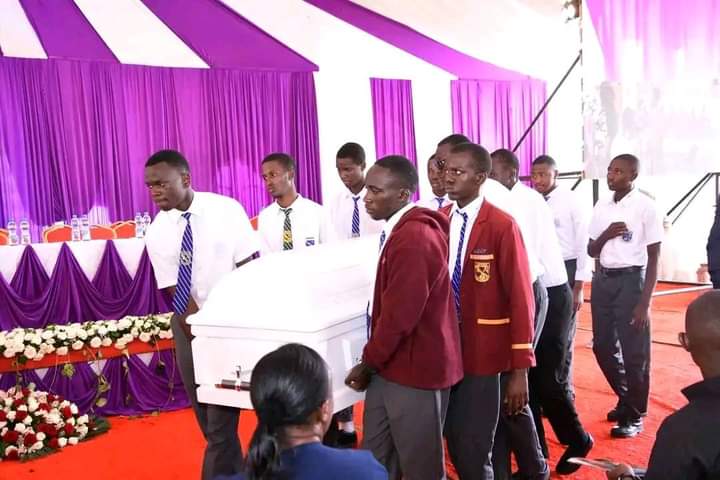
(495, 114)
(134, 387)
(31, 300)
(660, 32)
(393, 118)
(74, 135)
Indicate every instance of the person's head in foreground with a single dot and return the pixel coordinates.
(167, 176)
(390, 184)
(290, 392)
(702, 339)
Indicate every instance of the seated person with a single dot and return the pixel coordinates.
(291, 394)
(687, 447)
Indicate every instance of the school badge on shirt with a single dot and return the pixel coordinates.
(481, 262)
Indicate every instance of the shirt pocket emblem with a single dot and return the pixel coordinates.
(482, 271)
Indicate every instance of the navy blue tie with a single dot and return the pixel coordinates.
(440, 201)
(356, 218)
(368, 318)
(457, 271)
(182, 287)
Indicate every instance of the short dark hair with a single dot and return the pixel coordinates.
(454, 139)
(286, 387)
(172, 157)
(545, 160)
(630, 159)
(353, 151)
(402, 169)
(480, 156)
(283, 159)
(507, 157)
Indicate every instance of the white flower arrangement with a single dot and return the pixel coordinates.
(32, 344)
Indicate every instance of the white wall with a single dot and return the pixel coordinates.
(347, 58)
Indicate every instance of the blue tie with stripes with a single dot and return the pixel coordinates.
(457, 271)
(440, 201)
(182, 288)
(356, 218)
(368, 318)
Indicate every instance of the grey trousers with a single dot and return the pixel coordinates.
(470, 426)
(402, 427)
(622, 351)
(219, 424)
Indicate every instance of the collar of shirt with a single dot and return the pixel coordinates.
(349, 195)
(279, 210)
(471, 209)
(195, 208)
(626, 199)
(392, 221)
(456, 221)
(707, 388)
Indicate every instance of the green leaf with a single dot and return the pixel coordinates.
(101, 402)
(68, 370)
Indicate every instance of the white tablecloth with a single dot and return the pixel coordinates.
(88, 254)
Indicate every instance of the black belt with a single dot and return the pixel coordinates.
(614, 272)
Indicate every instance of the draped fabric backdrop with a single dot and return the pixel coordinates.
(74, 135)
(495, 114)
(393, 118)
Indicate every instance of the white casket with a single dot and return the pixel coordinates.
(315, 296)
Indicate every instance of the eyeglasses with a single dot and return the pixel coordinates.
(684, 341)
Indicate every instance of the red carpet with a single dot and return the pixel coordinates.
(169, 446)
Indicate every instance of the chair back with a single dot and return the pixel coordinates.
(254, 222)
(102, 232)
(4, 237)
(57, 233)
(124, 229)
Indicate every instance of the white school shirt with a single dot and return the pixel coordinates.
(222, 237)
(572, 219)
(433, 202)
(643, 221)
(538, 228)
(341, 212)
(307, 222)
(456, 222)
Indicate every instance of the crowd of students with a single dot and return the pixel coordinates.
(472, 316)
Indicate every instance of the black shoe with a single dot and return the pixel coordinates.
(347, 439)
(566, 468)
(616, 413)
(627, 428)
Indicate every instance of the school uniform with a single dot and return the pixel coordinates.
(192, 251)
(490, 275)
(348, 217)
(302, 224)
(621, 349)
(414, 346)
(434, 202)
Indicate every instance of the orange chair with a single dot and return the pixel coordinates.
(4, 237)
(102, 232)
(124, 229)
(254, 222)
(58, 233)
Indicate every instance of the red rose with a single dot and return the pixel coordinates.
(26, 392)
(52, 431)
(20, 415)
(3, 416)
(53, 443)
(18, 402)
(44, 406)
(66, 412)
(29, 439)
(11, 437)
(69, 429)
(13, 455)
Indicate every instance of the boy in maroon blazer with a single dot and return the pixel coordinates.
(491, 284)
(412, 357)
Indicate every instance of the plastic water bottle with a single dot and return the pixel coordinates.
(75, 226)
(85, 227)
(146, 222)
(12, 232)
(24, 232)
(139, 229)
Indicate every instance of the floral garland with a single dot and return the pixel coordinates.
(27, 344)
(33, 423)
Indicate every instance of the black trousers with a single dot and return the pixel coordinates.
(715, 278)
(549, 384)
(518, 433)
(571, 269)
(622, 350)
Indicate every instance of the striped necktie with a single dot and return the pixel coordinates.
(287, 230)
(368, 318)
(457, 271)
(440, 201)
(182, 287)
(356, 218)
(382, 240)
